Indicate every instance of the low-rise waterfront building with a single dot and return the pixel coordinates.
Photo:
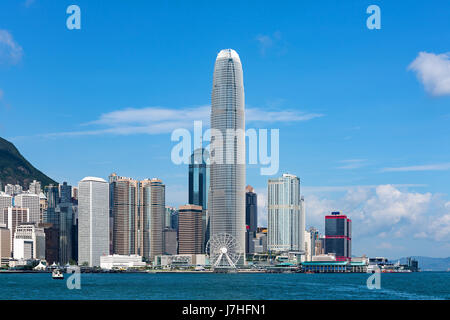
(117, 261)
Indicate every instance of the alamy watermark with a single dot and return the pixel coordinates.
(229, 147)
(74, 281)
(374, 281)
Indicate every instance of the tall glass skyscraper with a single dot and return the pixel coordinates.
(227, 154)
(199, 186)
(286, 215)
(198, 179)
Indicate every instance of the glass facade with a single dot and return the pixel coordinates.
(227, 158)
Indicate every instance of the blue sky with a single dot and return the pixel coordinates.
(364, 115)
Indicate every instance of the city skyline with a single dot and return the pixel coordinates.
(351, 121)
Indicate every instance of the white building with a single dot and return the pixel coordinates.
(29, 242)
(117, 261)
(93, 220)
(30, 201)
(286, 215)
(35, 187)
(181, 260)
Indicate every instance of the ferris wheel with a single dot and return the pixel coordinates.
(223, 250)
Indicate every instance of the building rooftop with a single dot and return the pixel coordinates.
(228, 53)
(93, 179)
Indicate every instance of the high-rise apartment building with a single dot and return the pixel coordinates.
(154, 196)
(227, 159)
(35, 187)
(5, 201)
(190, 229)
(338, 236)
(138, 210)
(286, 217)
(93, 220)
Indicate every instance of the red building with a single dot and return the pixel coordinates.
(338, 236)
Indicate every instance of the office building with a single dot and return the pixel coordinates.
(338, 236)
(286, 217)
(199, 178)
(12, 217)
(51, 243)
(190, 229)
(65, 193)
(5, 245)
(170, 241)
(251, 218)
(30, 201)
(29, 242)
(93, 221)
(226, 207)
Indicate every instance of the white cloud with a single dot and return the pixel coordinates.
(386, 212)
(157, 120)
(352, 163)
(433, 70)
(271, 41)
(428, 167)
(10, 51)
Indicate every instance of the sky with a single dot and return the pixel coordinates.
(363, 114)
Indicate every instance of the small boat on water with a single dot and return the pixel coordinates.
(57, 274)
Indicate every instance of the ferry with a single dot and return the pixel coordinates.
(57, 274)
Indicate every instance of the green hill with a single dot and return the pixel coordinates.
(15, 169)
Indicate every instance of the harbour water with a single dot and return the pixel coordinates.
(204, 286)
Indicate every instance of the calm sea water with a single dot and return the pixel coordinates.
(422, 285)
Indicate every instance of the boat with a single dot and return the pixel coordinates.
(57, 274)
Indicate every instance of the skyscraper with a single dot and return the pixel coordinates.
(190, 232)
(93, 220)
(138, 210)
(30, 201)
(198, 179)
(286, 218)
(227, 154)
(251, 218)
(154, 197)
(199, 185)
(338, 236)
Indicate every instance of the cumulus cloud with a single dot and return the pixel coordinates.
(433, 70)
(386, 211)
(157, 120)
(10, 51)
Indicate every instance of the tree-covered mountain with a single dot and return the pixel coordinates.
(15, 169)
